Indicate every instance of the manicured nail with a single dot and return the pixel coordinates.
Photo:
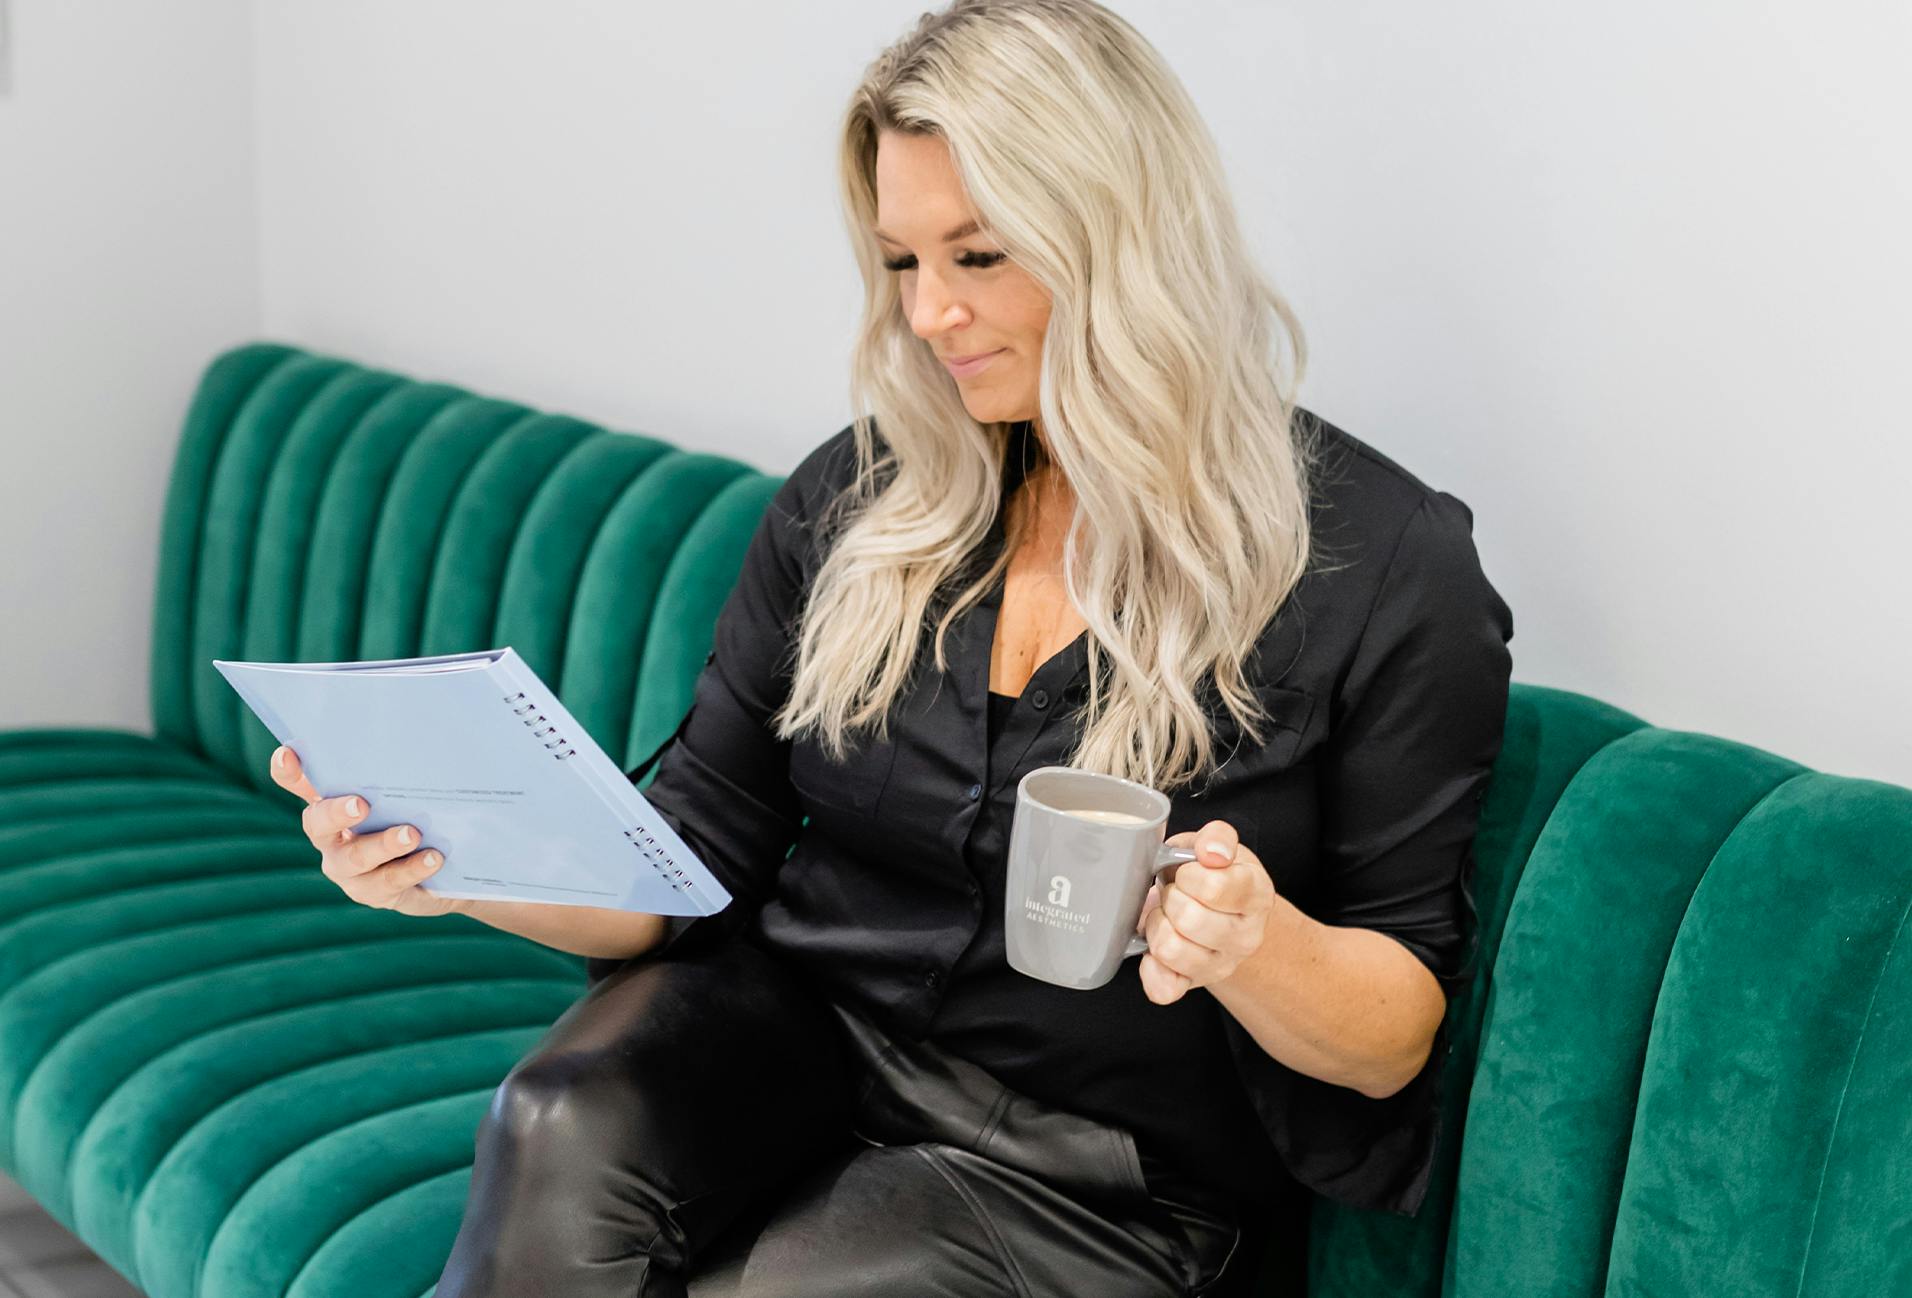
(407, 835)
(434, 859)
(352, 806)
(278, 759)
(1216, 848)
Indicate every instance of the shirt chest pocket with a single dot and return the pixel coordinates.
(1284, 729)
(849, 789)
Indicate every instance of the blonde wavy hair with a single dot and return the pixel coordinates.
(1167, 399)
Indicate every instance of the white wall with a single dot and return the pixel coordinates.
(624, 211)
(128, 257)
(1628, 280)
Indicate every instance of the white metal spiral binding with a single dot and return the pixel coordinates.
(653, 852)
(660, 860)
(511, 700)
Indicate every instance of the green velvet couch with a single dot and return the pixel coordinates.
(1684, 1069)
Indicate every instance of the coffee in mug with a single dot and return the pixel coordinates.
(1104, 817)
(1083, 850)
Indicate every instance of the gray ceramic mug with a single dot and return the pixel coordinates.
(1083, 850)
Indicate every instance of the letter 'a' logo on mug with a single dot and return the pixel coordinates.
(1059, 890)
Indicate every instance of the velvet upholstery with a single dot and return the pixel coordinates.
(1682, 1067)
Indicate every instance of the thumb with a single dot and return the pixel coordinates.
(288, 773)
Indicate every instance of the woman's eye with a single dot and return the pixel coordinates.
(973, 260)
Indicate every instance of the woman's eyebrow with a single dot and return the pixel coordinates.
(962, 231)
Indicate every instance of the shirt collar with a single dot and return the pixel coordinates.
(1056, 677)
(1021, 453)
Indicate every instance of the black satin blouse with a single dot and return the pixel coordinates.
(1000, 706)
(1386, 675)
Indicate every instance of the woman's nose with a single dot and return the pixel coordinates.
(934, 310)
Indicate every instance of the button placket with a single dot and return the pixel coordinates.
(1022, 727)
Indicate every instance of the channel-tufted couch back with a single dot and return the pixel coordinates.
(321, 511)
(1686, 1065)
(1683, 1067)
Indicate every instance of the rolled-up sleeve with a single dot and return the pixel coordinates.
(1401, 775)
(723, 778)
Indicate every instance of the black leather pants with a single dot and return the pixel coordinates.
(709, 1125)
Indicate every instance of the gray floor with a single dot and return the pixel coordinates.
(39, 1258)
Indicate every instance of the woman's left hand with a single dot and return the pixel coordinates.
(1212, 915)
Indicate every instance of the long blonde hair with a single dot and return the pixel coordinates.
(1166, 397)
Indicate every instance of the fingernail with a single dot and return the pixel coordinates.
(1216, 848)
(352, 806)
(434, 859)
(278, 758)
(406, 835)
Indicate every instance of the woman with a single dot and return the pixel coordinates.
(1103, 542)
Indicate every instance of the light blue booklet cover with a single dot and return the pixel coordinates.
(495, 773)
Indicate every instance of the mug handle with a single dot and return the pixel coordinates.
(1165, 862)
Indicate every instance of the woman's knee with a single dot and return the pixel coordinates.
(587, 1098)
(671, 1062)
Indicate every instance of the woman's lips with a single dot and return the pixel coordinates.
(964, 369)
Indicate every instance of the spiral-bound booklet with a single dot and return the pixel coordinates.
(476, 752)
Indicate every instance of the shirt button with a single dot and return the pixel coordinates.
(1040, 698)
(932, 978)
(975, 792)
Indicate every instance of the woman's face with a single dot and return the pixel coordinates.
(961, 294)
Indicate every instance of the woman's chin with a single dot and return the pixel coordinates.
(991, 408)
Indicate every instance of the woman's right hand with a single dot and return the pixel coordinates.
(382, 870)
